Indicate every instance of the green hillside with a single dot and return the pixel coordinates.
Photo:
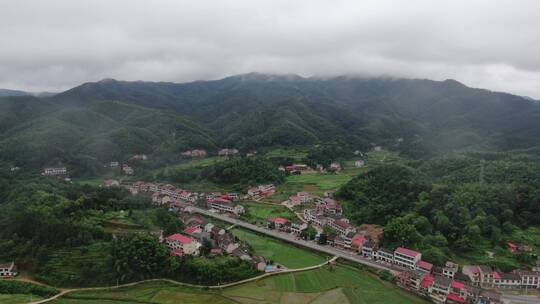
(112, 120)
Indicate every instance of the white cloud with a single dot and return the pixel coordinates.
(56, 44)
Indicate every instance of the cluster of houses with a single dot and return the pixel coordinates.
(198, 230)
(299, 168)
(8, 270)
(261, 191)
(298, 199)
(178, 199)
(473, 284)
(328, 213)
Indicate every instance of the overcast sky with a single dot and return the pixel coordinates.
(56, 44)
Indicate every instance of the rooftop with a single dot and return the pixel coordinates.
(177, 237)
(424, 265)
(408, 252)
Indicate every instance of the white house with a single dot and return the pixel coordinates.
(225, 206)
(186, 244)
(406, 257)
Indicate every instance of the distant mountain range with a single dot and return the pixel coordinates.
(109, 119)
(7, 93)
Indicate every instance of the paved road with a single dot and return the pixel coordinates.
(292, 239)
(520, 299)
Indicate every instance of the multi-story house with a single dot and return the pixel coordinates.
(529, 279)
(384, 255)
(406, 257)
(297, 228)
(423, 266)
(508, 281)
(224, 205)
(180, 244)
(416, 278)
(473, 272)
(368, 250)
(440, 288)
(329, 206)
(450, 269)
(341, 226)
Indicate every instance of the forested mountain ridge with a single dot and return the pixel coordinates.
(109, 120)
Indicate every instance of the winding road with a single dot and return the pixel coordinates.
(63, 292)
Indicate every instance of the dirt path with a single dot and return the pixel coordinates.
(262, 276)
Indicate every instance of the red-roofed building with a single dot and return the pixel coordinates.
(424, 266)
(426, 283)
(342, 226)
(192, 230)
(177, 252)
(279, 223)
(458, 289)
(406, 257)
(186, 244)
(453, 298)
(512, 247)
(294, 200)
(358, 241)
(329, 206)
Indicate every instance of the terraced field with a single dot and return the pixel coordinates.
(341, 285)
(17, 298)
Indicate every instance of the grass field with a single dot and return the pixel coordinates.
(280, 252)
(156, 292)
(257, 213)
(341, 285)
(17, 298)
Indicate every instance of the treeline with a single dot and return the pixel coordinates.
(140, 256)
(442, 207)
(234, 171)
(43, 218)
(18, 287)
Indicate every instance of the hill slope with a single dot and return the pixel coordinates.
(112, 119)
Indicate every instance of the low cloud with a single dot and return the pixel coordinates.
(57, 44)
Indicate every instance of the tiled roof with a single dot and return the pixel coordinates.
(278, 220)
(427, 281)
(456, 298)
(424, 265)
(177, 237)
(358, 240)
(407, 252)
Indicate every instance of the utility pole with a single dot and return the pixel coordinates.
(482, 165)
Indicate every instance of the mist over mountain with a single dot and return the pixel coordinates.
(111, 120)
(7, 92)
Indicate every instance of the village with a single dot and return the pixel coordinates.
(452, 283)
